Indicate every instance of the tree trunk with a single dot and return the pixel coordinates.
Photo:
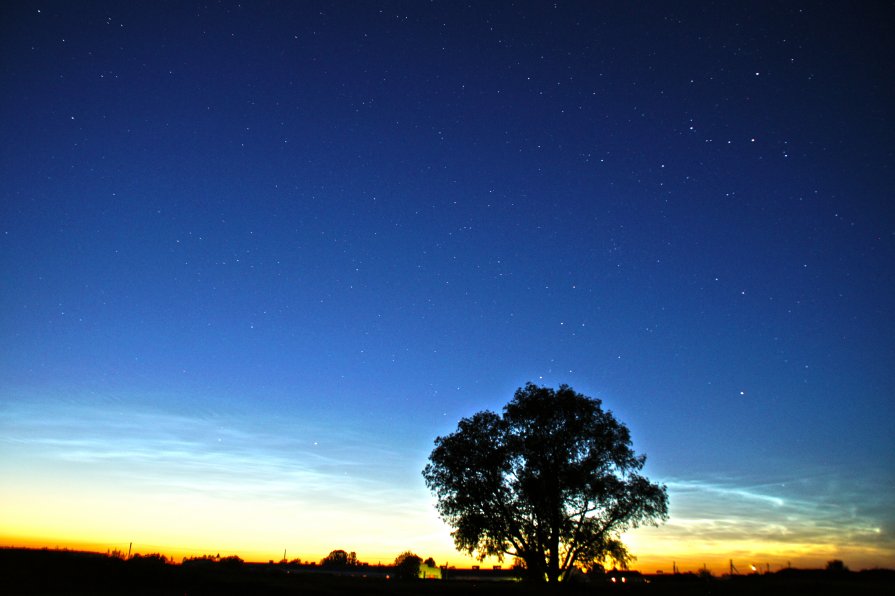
(552, 573)
(553, 561)
(534, 566)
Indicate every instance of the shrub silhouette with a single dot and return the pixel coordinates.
(407, 566)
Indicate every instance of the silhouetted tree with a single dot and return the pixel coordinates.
(339, 558)
(150, 559)
(407, 566)
(430, 562)
(203, 562)
(553, 481)
(836, 566)
(150, 562)
(231, 561)
(705, 573)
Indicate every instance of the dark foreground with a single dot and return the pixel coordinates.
(26, 571)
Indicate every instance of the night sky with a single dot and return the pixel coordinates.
(256, 256)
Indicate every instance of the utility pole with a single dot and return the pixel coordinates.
(130, 546)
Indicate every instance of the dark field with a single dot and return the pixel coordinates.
(25, 571)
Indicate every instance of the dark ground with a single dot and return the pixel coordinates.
(27, 571)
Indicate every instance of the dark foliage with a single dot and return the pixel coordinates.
(407, 566)
(836, 566)
(339, 558)
(553, 481)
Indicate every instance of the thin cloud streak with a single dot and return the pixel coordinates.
(174, 453)
(719, 514)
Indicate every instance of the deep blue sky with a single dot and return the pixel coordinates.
(320, 220)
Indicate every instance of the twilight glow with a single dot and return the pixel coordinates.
(255, 259)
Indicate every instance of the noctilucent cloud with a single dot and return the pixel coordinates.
(255, 257)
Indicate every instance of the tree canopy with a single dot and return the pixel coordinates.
(554, 481)
(407, 565)
(339, 558)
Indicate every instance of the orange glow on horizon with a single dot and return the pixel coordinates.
(757, 559)
(257, 499)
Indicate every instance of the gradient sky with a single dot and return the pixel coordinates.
(256, 256)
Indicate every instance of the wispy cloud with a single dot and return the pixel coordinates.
(216, 456)
(833, 510)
